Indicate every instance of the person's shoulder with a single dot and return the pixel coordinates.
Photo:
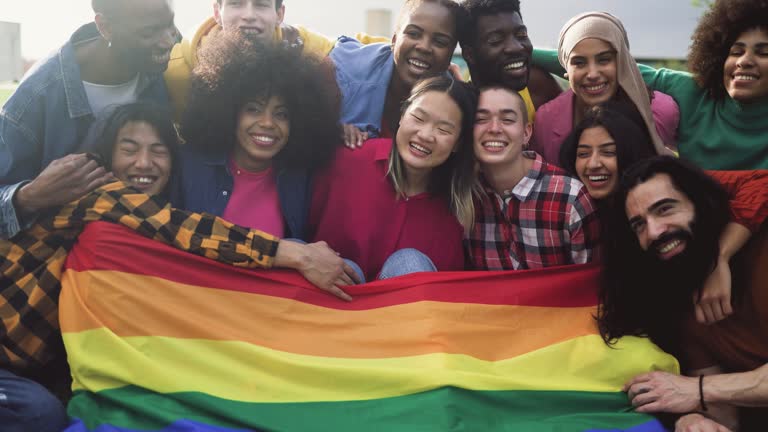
(356, 59)
(36, 84)
(555, 106)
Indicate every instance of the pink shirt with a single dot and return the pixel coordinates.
(554, 121)
(254, 202)
(355, 209)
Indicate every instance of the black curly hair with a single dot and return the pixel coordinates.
(233, 70)
(717, 30)
(474, 9)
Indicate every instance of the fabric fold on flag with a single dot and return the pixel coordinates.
(162, 340)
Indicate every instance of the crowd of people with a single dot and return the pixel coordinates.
(262, 144)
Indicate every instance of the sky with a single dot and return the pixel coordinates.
(657, 28)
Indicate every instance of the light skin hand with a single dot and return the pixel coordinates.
(317, 262)
(715, 302)
(663, 392)
(354, 137)
(698, 423)
(455, 72)
(62, 181)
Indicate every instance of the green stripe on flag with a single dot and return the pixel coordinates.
(437, 410)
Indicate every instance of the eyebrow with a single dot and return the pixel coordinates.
(502, 111)
(608, 144)
(653, 207)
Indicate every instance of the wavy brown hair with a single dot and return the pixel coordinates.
(716, 32)
(233, 71)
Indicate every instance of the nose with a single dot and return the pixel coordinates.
(655, 228)
(594, 161)
(168, 39)
(495, 126)
(423, 44)
(593, 71)
(249, 12)
(266, 121)
(745, 60)
(143, 159)
(512, 45)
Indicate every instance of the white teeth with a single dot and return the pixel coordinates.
(745, 77)
(142, 180)
(161, 58)
(494, 144)
(669, 246)
(515, 65)
(264, 138)
(250, 31)
(598, 178)
(418, 63)
(596, 88)
(421, 149)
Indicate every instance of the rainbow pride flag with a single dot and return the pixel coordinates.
(160, 340)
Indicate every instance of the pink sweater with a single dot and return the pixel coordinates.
(554, 121)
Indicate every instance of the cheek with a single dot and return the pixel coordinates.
(580, 165)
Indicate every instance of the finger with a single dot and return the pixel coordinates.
(338, 292)
(700, 318)
(636, 380)
(644, 398)
(652, 407)
(345, 280)
(352, 274)
(717, 312)
(726, 305)
(709, 314)
(96, 173)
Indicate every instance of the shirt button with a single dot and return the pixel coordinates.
(225, 193)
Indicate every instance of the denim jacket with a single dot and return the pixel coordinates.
(205, 186)
(46, 118)
(362, 74)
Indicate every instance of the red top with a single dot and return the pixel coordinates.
(356, 210)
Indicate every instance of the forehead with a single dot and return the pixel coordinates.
(646, 194)
(595, 135)
(437, 104)
(753, 36)
(591, 46)
(430, 15)
(498, 99)
(140, 132)
(144, 11)
(501, 22)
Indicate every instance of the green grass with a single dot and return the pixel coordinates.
(5, 93)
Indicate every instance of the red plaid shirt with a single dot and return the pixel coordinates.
(547, 220)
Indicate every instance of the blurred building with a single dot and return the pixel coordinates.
(11, 64)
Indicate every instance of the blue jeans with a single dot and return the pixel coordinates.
(26, 406)
(406, 261)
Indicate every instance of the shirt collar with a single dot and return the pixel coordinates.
(527, 184)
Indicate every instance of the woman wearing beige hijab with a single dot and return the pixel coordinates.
(594, 49)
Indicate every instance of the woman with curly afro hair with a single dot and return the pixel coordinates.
(724, 102)
(261, 121)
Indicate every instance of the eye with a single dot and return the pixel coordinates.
(608, 153)
(637, 227)
(444, 131)
(481, 120)
(665, 209)
(578, 62)
(582, 154)
(736, 51)
(522, 34)
(282, 115)
(508, 121)
(441, 42)
(417, 118)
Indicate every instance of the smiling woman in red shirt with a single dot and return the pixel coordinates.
(412, 192)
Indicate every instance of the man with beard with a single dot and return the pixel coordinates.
(117, 59)
(672, 227)
(497, 49)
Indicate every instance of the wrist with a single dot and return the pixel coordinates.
(290, 255)
(24, 201)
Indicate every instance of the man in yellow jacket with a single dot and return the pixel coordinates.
(260, 19)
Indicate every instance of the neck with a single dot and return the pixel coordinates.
(503, 177)
(579, 109)
(416, 180)
(252, 166)
(100, 65)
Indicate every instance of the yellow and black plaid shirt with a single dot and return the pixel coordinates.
(31, 262)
